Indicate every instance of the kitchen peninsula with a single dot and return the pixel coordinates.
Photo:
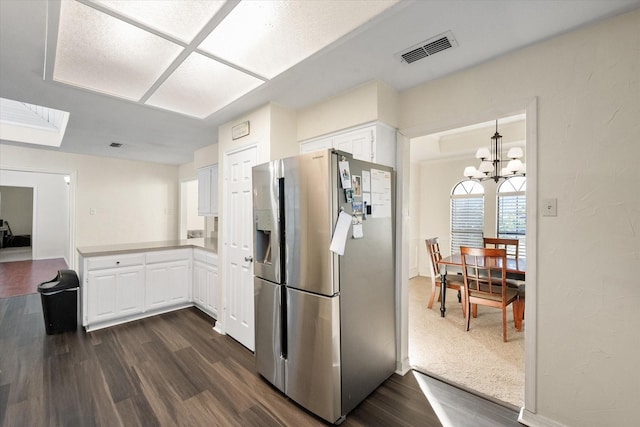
(121, 283)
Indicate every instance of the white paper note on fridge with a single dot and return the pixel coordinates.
(339, 239)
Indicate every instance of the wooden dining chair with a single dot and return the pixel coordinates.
(454, 281)
(485, 275)
(511, 246)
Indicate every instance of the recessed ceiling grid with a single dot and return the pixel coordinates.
(193, 57)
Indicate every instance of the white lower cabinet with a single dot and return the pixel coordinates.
(114, 293)
(205, 282)
(167, 284)
(120, 288)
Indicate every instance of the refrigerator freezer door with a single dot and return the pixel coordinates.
(269, 338)
(309, 205)
(312, 375)
(367, 304)
(267, 224)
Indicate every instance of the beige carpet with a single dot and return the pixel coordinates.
(478, 359)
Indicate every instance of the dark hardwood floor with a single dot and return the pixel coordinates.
(23, 277)
(173, 369)
(166, 370)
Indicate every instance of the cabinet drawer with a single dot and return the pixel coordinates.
(114, 261)
(205, 256)
(167, 256)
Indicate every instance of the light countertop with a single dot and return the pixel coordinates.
(208, 244)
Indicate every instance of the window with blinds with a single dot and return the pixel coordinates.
(467, 215)
(512, 212)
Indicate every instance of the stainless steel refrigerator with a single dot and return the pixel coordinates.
(324, 298)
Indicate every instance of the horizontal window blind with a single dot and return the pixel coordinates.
(467, 222)
(512, 219)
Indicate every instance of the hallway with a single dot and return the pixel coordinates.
(23, 277)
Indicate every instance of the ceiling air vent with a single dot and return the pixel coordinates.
(428, 47)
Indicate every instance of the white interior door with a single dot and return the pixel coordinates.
(238, 222)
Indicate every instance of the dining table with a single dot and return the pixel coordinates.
(516, 270)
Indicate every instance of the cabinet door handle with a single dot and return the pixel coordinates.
(248, 258)
(117, 262)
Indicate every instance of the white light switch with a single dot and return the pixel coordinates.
(550, 207)
(92, 211)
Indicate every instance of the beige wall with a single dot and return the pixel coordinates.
(283, 132)
(16, 207)
(355, 107)
(133, 201)
(433, 187)
(188, 171)
(588, 88)
(205, 156)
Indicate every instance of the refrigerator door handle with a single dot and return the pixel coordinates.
(283, 325)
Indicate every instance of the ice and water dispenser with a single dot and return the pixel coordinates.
(268, 224)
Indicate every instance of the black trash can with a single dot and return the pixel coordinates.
(60, 302)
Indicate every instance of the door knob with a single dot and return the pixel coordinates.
(248, 258)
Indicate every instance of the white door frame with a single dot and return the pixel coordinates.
(72, 256)
(530, 108)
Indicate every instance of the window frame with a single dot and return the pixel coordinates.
(472, 235)
(516, 195)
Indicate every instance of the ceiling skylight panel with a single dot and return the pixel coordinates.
(201, 86)
(30, 123)
(181, 19)
(268, 37)
(98, 52)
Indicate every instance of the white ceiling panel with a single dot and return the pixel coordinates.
(98, 52)
(268, 37)
(182, 19)
(200, 86)
(484, 30)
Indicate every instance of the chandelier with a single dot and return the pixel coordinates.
(491, 166)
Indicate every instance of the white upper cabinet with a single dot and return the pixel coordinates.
(208, 191)
(373, 143)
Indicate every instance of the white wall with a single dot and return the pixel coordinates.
(133, 201)
(50, 210)
(588, 261)
(16, 207)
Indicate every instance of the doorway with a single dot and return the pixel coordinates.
(445, 347)
(16, 223)
(191, 225)
(53, 223)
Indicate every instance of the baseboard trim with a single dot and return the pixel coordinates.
(96, 325)
(536, 420)
(402, 367)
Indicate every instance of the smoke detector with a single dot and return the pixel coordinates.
(428, 47)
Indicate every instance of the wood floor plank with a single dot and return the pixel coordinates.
(4, 401)
(205, 409)
(23, 277)
(157, 398)
(116, 373)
